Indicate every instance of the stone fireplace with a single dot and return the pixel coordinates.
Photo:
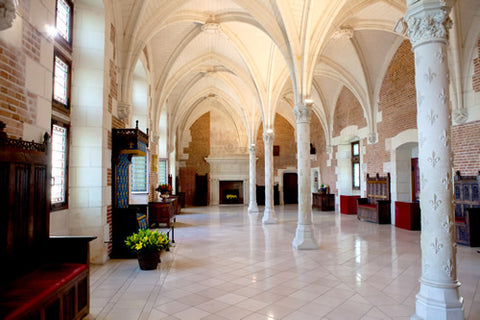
(229, 178)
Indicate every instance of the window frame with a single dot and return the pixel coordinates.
(355, 161)
(59, 39)
(64, 108)
(165, 161)
(62, 205)
(147, 162)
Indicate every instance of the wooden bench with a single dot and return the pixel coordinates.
(376, 206)
(467, 209)
(41, 277)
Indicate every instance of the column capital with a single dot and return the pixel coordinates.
(303, 113)
(7, 13)
(268, 137)
(252, 149)
(428, 21)
(124, 109)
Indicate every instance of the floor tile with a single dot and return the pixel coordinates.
(227, 265)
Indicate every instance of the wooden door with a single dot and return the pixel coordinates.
(290, 188)
(415, 180)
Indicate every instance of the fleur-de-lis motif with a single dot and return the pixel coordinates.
(436, 246)
(432, 117)
(420, 98)
(423, 180)
(429, 76)
(444, 138)
(433, 159)
(435, 202)
(446, 181)
(440, 55)
(443, 96)
(447, 225)
(448, 268)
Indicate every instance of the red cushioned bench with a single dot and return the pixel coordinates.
(40, 293)
(41, 277)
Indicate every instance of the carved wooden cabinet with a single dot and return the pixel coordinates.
(162, 212)
(467, 209)
(323, 201)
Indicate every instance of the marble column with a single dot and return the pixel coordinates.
(269, 214)
(428, 23)
(252, 206)
(304, 237)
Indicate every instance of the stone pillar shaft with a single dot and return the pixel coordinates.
(252, 206)
(438, 298)
(304, 238)
(269, 214)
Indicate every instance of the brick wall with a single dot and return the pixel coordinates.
(18, 105)
(348, 112)
(476, 70)
(397, 102)
(285, 139)
(197, 151)
(466, 148)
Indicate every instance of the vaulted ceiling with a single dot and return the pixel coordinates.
(255, 58)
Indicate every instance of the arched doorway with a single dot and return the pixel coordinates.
(290, 188)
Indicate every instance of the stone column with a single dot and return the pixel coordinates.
(269, 214)
(428, 25)
(252, 206)
(304, 238)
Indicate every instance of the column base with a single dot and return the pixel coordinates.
(439, 302)
(304, 239)
(269, 216)
(252, 207)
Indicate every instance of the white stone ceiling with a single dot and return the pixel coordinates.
(253, 56)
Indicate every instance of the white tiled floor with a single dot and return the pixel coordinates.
(227, 265)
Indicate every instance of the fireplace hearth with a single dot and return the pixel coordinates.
(231, 192)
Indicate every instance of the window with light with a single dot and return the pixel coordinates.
(59, 166)
(61, 86)
(63, 20)
(162, 171)
(139, 174)
(356, 165)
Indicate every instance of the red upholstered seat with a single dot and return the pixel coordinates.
(368, 205)
(34, 288)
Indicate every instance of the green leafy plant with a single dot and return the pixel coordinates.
(147, 240)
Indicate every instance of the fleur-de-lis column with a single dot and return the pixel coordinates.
(252, 206)
(304, 238)
(428, 23)
(269, 213)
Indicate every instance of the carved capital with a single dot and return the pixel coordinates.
(428, 26)
(460, 116)
(124, 110)
(252, 149)
(7, 13)
(268, 137)
(372, 138)
(303, 114)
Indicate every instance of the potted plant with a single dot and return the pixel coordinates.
(164, 189)
(148, 244)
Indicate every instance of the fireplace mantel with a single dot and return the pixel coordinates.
(227, 168)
